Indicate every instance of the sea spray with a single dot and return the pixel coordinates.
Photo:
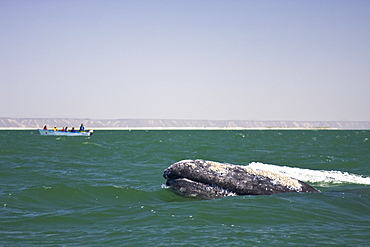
(313, 176)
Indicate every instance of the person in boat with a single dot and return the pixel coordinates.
(66, 129)
(63, 129)
(55, 128)
(82, 128)
(45, 128)
(73, 129)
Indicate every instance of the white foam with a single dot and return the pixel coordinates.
(314, 176)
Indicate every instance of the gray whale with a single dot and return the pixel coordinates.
(208, 179)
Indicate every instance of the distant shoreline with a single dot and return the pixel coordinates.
(179, 124)
(188, 128)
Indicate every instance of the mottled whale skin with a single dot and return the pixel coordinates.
(208, 179)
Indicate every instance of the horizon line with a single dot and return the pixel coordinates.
(184, 119)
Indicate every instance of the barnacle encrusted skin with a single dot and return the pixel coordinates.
(282, 179)
(223, 168)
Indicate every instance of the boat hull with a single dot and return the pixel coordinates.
(62, 133)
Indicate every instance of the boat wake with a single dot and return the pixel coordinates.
(314, 176)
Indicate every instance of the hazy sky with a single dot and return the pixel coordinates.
(182, 59)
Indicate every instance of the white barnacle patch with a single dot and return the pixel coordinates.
(277, 178)
(221, 191)
(182, 189)
(219, 168)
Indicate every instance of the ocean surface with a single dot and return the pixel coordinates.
(108, 189)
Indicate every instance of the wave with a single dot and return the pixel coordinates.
(314, 176)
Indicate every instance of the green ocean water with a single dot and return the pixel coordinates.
(108, 189)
